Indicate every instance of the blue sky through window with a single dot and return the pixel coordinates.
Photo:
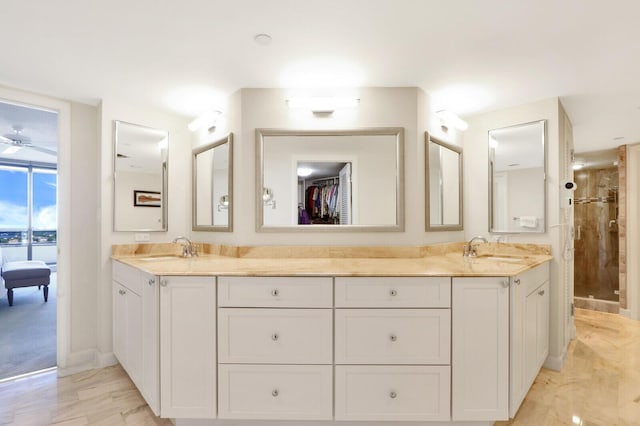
(13, 199)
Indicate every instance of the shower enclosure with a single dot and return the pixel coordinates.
(596, 283)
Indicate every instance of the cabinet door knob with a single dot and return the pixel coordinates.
(517, 281)
(505, 284)
(393, 292)
(541, 292)
(275, 393)
(163, 283)
(275, 292)
(393, 394)
(122, 292)
(275, 337)
(393, 337)
(152, 281)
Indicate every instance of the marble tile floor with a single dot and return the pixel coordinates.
(98, 397)
(600, 381)
(599, 385)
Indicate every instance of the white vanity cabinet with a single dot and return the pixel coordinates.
(188, 347)
(135, 329)
(275, 346)
(529, 336)
(392, 351)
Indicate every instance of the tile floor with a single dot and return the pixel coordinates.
(599, 385)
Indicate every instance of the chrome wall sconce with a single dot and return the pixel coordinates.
(223, 203)
(267, 197)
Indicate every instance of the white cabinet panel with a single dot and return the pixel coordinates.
(393, 292)
(275, 336)
(127, 330)
(393, 336)
(119, 322)
(275, 392)
(399, 393)
(480, 349)
(150, 388)
(188, 347)
(275, 292)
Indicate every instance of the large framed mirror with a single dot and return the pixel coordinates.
(212, 198)
(443, 183)
(517, 179)
(140, 177)
(330, 180)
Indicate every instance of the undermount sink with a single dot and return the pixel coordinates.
(503, 258)
(160, 258)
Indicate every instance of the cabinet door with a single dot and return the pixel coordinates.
(134, 336)
(119, 323)
(150, 388)
(480, 349)
(542, 342)
(188, 347)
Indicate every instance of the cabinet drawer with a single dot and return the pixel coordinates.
(396, 393)
(283, 292)
(393, 336)
(534, 278)
(390, 292)
(275, 392)
(128, 276)
(276, 336)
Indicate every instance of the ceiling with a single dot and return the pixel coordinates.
(472, 56)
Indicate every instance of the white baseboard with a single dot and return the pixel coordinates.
(86, 360)
(555, 362)
(202, 422)
(625, 312)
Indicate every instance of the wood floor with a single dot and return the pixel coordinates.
(599, 385)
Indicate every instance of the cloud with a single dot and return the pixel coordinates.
(45, 218)
(13, 215)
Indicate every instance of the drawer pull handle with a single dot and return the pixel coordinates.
(275, 337)
(541, 292)
(152, 281)
(275, 393)
(393, 395)
(393, 337)
(275, 292)
(517, 281)
(393, 292)
(122, 292)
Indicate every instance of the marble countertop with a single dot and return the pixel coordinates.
(444, 263)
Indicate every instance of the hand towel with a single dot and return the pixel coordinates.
(528, 222)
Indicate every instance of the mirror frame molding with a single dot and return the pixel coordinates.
(545, 143)
(194, 202)
(165, 180)
(397, 132)
(427, 204)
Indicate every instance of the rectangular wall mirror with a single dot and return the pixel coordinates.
(140, 178)
(517, 178)
(337, 180)
(212, 198)
(443, 183)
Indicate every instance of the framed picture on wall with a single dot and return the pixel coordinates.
(146, 199)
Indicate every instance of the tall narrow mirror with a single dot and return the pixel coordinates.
(517, 179)
(140, 178)
(212, 208)
(338, 180)
(443, 182)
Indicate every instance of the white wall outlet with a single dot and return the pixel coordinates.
(141, 237)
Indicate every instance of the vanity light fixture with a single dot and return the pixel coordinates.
(304, 171)
(449, 118)
(577, 166)
(323, 105)
(267, 197)
(207, 119)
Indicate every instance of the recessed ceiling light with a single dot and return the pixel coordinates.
(262, 39)
(618, 138)
(304, 171)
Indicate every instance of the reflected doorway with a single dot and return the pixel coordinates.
(325, 193)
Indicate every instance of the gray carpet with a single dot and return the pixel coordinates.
(27, 330)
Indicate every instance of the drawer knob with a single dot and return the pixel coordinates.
(275, 337)
(517, 281)
(393, 337)
(122, 292)
(393, 395)
(163, 283)
(152, 281)
(275, 292)
(275, 393)
(393, 292)
(541, 292)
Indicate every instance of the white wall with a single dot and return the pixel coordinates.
(136, 217)
(477, 195)
(249, 109)
(178, 198)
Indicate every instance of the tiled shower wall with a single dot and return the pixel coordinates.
(596, 245)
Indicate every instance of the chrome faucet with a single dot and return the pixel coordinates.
(469, 250)
(188, 249)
